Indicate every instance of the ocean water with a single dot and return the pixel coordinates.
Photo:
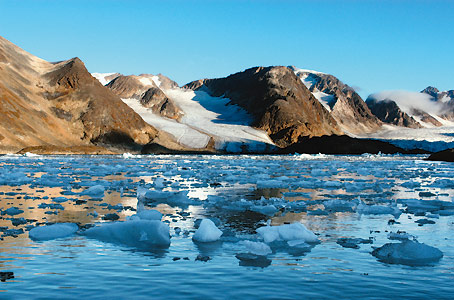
(240, 194)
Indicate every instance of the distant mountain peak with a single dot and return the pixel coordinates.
(430, 90)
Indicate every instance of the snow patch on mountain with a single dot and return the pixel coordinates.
(309, 81)
(150, 80)
(102, 77)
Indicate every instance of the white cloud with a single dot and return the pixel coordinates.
(410, 100)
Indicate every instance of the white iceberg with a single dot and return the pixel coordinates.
(287, 232)
(207, 232)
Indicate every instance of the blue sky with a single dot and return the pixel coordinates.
(371, 45)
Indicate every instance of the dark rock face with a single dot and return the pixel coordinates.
(278, 101)
(445, 155)
(389, 112)
(155, 99)
(341, 145)
(430, 90)
(347, 107)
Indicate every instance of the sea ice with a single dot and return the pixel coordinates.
(337, 205)
(365, 209)
(400, 235)
(12, 211)
(96, 190)
(54, 231)
(408, 252)
(287, 232)
(257, 248)
(147, 214)
(207, 232)
(135, 233)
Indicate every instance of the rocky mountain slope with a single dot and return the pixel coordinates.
(279, 103)
(344, 104)
(430, 108)
(389, 112)
(61, 104)
(147, 90)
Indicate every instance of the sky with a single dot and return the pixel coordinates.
(371, 45)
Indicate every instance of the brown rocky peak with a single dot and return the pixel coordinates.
(127, 86)
(70, 74)
(347, 107)
(278, 101)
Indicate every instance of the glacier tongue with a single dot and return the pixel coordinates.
(206, 117)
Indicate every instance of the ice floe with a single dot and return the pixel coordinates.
(134, 233)
(408, 252)
(54, 231)
(287, 232)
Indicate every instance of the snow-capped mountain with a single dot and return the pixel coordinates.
(343, 103)
(194, 119)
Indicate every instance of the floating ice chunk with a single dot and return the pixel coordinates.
(60, 199)
(400, 235)
(127, 155)
(432, 216)
(257, 248)
(158, 183)
(12, 211)
(54, 231)
(96, 190)
(267, 210)
(415, 206)
(352, 242)
(207, 232)
(215, 220)
(287, 232)
(365, 209)
(317, 212)
(147, 214)
(446, 212)
(299, 244)
(29, 154)
(408, 252)
(337, 205)
(180, 198)
(135, 233)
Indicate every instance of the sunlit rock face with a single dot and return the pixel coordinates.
(61, 104)
(345, 105)
(278, 101)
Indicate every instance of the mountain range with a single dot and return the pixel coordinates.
(60, 107)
